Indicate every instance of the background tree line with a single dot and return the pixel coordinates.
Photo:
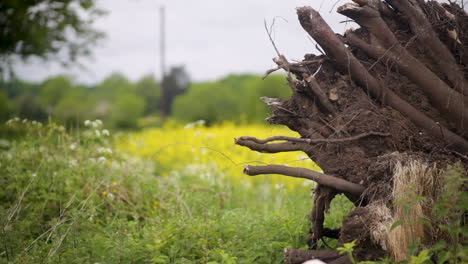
(124, 104)
(62, 30)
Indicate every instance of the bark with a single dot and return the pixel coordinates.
(327, 180)
(322, 199)
(446, 100)
(421, 27)
(313, 23)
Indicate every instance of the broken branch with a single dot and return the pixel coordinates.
(327, 180)
(319, 93)
(271, 148)
(309, 140)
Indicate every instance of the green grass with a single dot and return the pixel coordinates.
(69, 198)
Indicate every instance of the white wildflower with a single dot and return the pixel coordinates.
(73, 162)
(73, 146)
(308, 183)
(97, 132)
(105, 132)
(279, 186)
(25, 120)
(34, 175)
(101, 159)
(36, 123)
(105, 150)
(96, 123)
(87, 123)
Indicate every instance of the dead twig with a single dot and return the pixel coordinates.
(311, 141)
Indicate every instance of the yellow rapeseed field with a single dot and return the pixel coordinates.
(210, 152)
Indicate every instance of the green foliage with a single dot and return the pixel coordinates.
(123, 104)
(126, 110)
(117, 100)
(22, 97)
(5, 107)
(450, 212)
(212, 102)
(149, 89)
(348, 248)
(53, 90)
(71, 198)
(64, 100)
(235, 97)
(42, 28)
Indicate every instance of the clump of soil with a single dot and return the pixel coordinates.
(348, 125)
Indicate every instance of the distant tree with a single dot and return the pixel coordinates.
(234, 98)
(105, 94)
(5, 107)
(42, 28)
(15, 88)
(249, 88)
(148, 88)
(52, 91)
(27, 106)
(126, 110)
(113, 85)
(175, 83)
(74, 106)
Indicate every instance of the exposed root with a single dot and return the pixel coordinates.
(323, 198)
(352, 189)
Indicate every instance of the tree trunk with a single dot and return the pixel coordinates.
(384, 108)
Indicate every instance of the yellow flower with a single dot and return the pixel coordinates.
(104, 193)
(207, 151)
(115, 183)
(156, 202)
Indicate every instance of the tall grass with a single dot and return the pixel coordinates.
(72, 197)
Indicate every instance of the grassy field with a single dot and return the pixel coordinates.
(169, 195)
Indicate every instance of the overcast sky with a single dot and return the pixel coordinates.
(212, 38)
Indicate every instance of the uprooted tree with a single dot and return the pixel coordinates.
(384, 112)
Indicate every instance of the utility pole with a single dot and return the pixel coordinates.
(162, 49)
(162, 44)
